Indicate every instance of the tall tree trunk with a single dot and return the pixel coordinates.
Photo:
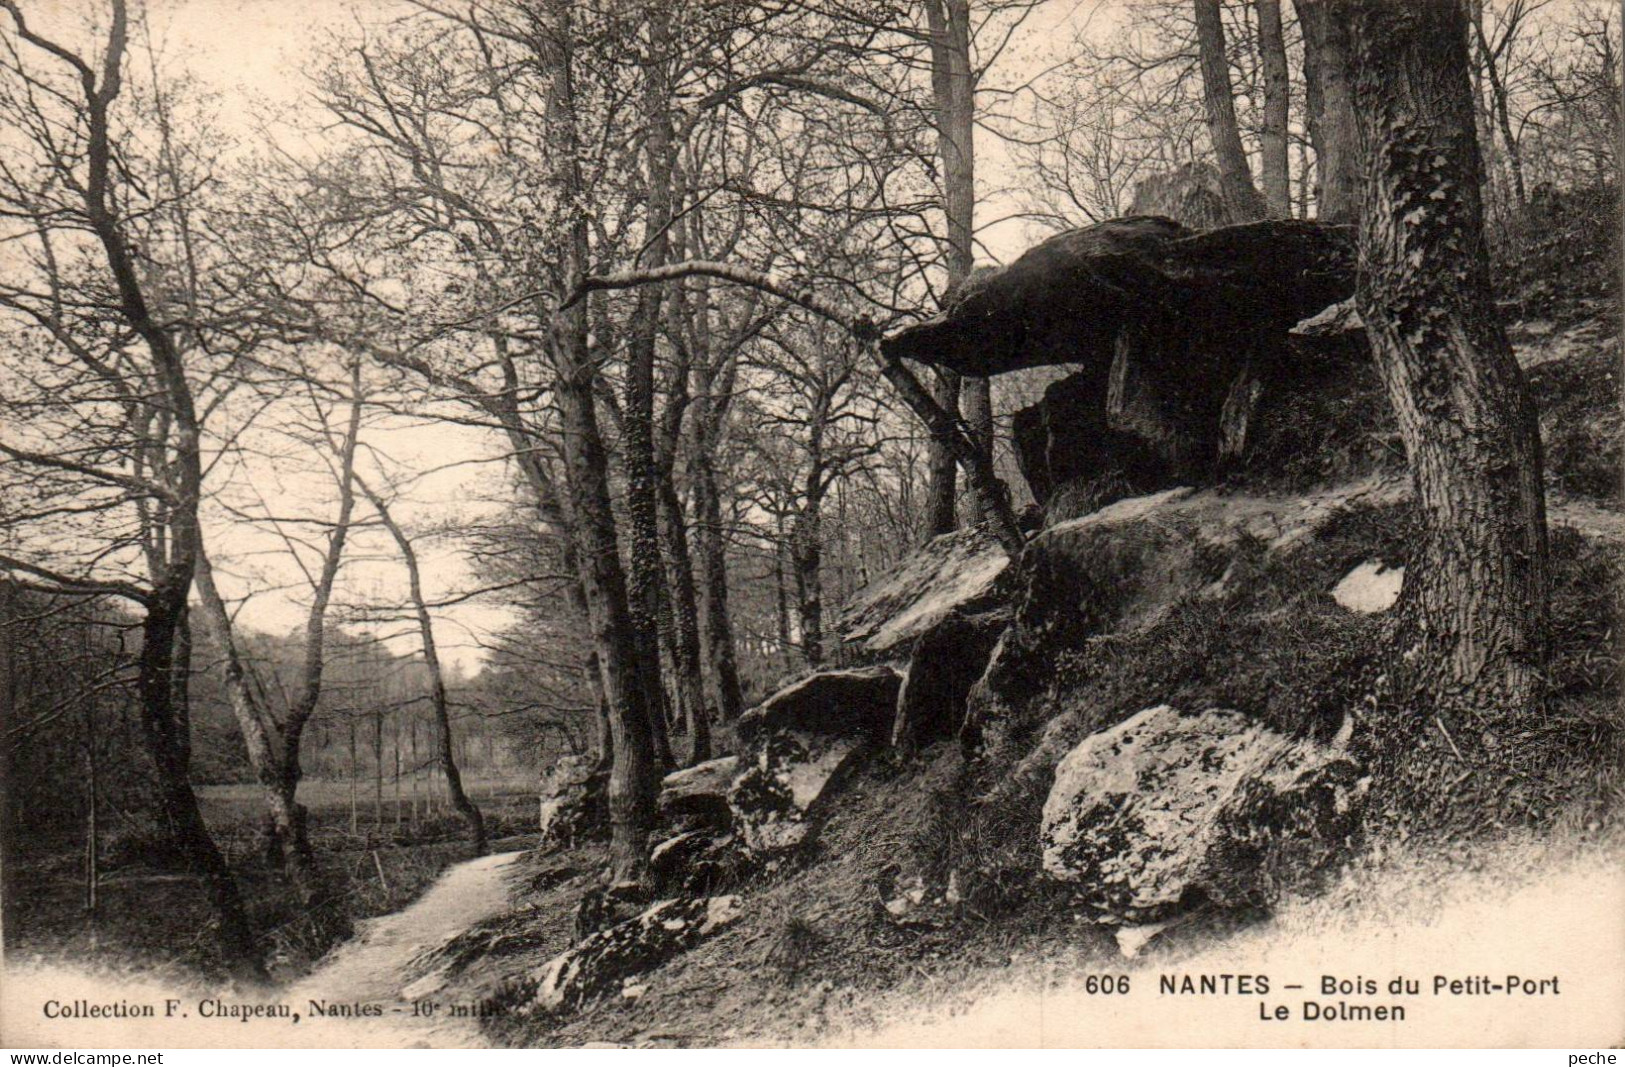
(634, 774)
(1477, 592)
(1241, 198)
(942, 490)
(685, 622)
(164, 727)
(1274, 161)
(806, 552)
(953, 89)
(1333, 131)
(716, 625)
(260, 739)
(1498, 103)
(638, 434)
(781, 589)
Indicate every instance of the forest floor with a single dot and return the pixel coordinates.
(151, 917)
(813, 959)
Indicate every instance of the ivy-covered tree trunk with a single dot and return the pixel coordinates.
(1476, 592)
(634, 773)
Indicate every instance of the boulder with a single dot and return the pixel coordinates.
(1066, 442)
(1149, 816)
(607, 905)
(1190, 194)
(856, 704)
(796, 747)
(600, 964)
(1371, 588)
(573, 794)
(698, 793)
(947, 660)
(958, 571)
(697, 863)
(777, 801)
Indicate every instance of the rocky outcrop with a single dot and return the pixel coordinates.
(599, 964)
(698, 863)
(777, 801)
(572, 800)
(798, 745)
(1164, 808)
(698, 793)
(851, 704)
(1066, 444)
(946, 661)
(955, 572)
(1121, 568)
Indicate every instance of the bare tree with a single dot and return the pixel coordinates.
(130, 446)
(273, 741)
(1240, 194)
(438, 702)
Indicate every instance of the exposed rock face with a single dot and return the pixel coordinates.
(1067, 442)
(1163, 806)
(1119, 569)
(697, 863)
(607, 905)
(947, 661)
(599, 964)
(572, 800)
(955, 572)
(775, 802)
(797, 746)
(700, 792)
(853, 704)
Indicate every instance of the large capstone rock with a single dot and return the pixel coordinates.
(698, 793)
(954, 572)
(573, 793)
(1164, 809)
(1068, 299)
(600, 964)
(946, 662)
(1176, 336)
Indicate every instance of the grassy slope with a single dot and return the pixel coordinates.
(812, 957)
